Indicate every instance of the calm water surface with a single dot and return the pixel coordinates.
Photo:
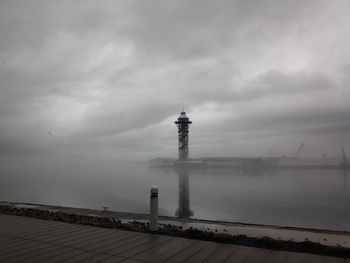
(305, 198)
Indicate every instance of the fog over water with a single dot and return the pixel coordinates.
(306, 198)
(90, 90)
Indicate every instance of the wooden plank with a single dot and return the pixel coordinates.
(24, 254)
(121, 246)
(240, 254)
(36, 253)
(23, 226)
(109, 240)
(24, 222)
(35, 233)
(131, 260)
(203, 253)
(19, 221)
(28, 229)
(62, 256)
(164, 250)
(21, 251)
(12, 219)
(186, 253)
(118, 243)
(47, 254)
(18, 246)
(80, 257)
(275, 256)
(294, 257)
(45, 238)
(31, 254)
(100, 258)
(96, 239)
(220, 255)
(258, 255)
(309, 258)
(66, 237)
(23, 244)
(10, 243)
(4, 239)
(139, 246)
(333, 260)
(80, 240)
(7, 242)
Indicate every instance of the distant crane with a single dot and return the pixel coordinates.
(343, 155)
(271, 151)
(299, 149)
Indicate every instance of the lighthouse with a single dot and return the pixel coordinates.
(183, 123)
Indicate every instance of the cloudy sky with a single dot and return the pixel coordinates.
(108, 78)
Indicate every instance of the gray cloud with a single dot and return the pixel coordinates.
(112, 75)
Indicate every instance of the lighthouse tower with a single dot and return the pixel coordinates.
(183, 124)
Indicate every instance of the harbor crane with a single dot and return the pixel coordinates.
(343, 155)
(302, 146)
(271, 151)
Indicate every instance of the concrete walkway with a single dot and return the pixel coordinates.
(25, 239)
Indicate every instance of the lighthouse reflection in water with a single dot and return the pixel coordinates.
(183, 210)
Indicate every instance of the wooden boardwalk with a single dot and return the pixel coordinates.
(25, 239)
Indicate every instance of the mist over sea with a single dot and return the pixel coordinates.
(302, 198)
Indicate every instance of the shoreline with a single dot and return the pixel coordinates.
(323, 242)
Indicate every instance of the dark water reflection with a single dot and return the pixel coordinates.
(306, 198)
(183, 210)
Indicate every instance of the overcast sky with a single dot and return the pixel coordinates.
(109, 78)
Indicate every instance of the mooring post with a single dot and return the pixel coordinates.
(153, 220)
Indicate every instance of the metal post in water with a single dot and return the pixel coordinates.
(153, 220)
